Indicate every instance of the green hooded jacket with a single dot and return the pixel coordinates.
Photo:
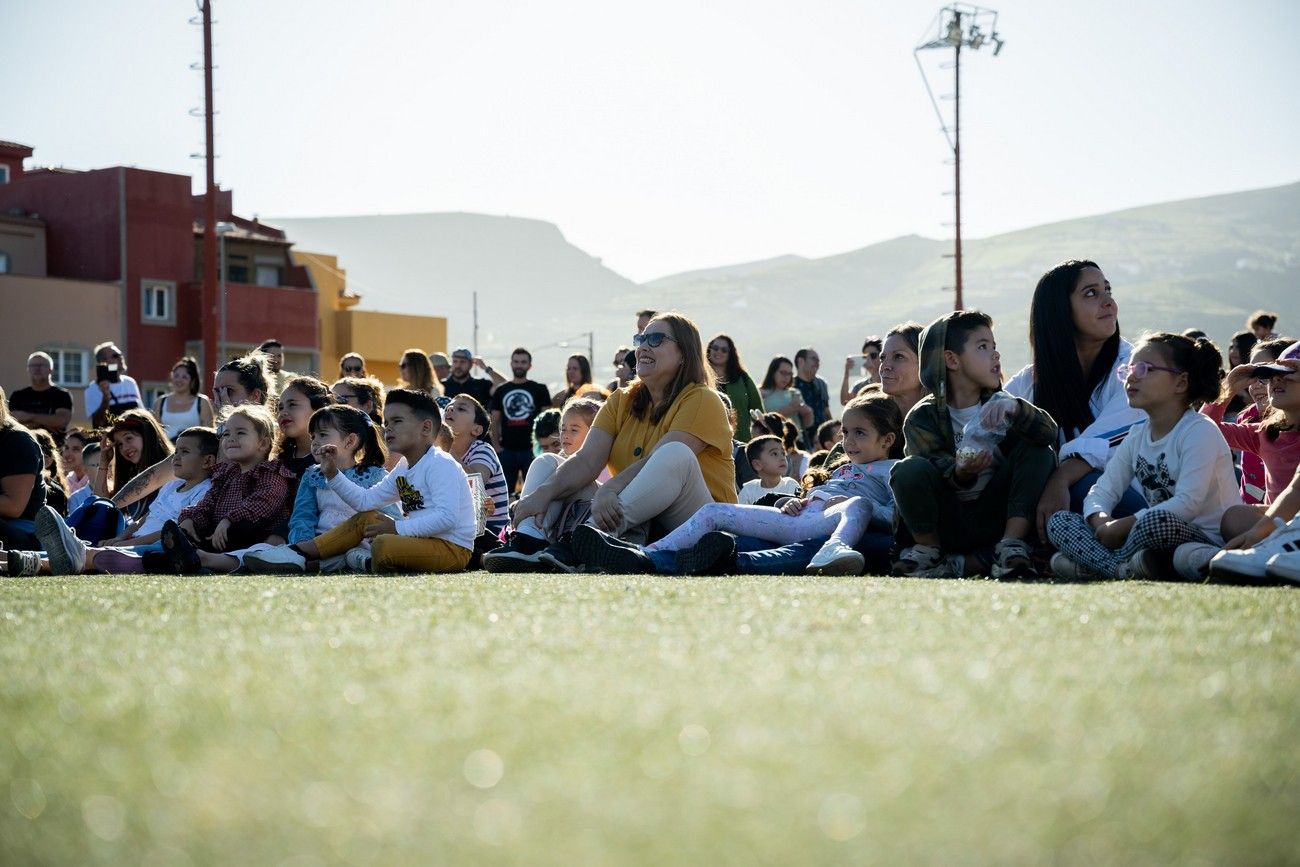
(927, 431)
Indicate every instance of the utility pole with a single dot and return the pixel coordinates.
(953, 32)
(209, 296)
(475, 322)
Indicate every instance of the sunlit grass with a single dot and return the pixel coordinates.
(590, 719)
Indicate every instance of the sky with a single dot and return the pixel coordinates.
(668, 136)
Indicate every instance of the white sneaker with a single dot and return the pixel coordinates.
(1191, 559)
(1252, 563)
(281, 558)
(923, 561)
(1285, 566)
(357, 560)
(836, 558)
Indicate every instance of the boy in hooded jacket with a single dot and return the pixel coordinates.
(956, 500)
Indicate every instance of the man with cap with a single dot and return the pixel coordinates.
(460, 381)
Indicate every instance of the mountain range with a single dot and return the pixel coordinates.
(1204, 263)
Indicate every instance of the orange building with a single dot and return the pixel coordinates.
(380, 338)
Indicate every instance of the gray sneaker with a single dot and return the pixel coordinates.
(1192, 560)
(67, 553)
(357, 560)
(1066, 569)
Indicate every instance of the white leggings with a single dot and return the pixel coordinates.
(844, 522)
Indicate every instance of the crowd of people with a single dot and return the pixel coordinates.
(1103, 459)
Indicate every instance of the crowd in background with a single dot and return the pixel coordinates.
(1102, 459)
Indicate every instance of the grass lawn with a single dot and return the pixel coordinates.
(599, 719)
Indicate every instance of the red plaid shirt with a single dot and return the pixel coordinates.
(260, 496)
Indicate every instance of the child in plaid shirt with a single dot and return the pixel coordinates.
(250, 493)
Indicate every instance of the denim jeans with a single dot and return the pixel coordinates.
(1130, 504)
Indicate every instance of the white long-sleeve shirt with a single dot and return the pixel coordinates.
(1112, 416)
(1187, 472)
(434, 496)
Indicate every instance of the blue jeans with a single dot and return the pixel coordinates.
(1130, 504)
(757, 557)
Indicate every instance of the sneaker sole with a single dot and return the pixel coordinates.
(50, 531)
(1233, 568)
(848, 563)
(704, 554)
(556, 563)
(252, 561)
(595, 552)
(1283, 573)
(178, 550)
(514, 561)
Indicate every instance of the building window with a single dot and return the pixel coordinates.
(71, 367)
(4, 174)
(5, 262)
(237, 273)
(157, 301)
(268, 275)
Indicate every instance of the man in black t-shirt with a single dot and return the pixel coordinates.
(42, 405)
(460, 381)
(514, 406)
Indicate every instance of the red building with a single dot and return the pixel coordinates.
(143, 230)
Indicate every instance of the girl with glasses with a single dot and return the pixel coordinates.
(1178, 458)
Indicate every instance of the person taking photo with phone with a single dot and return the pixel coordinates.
(113, 392)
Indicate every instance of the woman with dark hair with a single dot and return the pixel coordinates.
(735, 381)
(183, 407)
(1239, 350)
(900, 366)
(666, 438)
(22, 492)
(779, 394)
(622, 369)
(134, 444)
(1077, 351)
(243, 380)
(352, 364)
(577, 374)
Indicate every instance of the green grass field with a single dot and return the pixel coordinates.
(598, 719)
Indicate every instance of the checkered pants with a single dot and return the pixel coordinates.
(1158, 530)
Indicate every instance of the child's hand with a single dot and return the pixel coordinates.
(968, 468)
(327, 457)
(794, 506)
(1114, 533)
(1237, 380)
(996, 411)
(488, 507)
(221, 535)
(382, 525)
(106, 451)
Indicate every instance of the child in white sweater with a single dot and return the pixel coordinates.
(1179, 459)
(766, 454)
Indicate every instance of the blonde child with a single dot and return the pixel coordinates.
(249, 497)
(532, 546)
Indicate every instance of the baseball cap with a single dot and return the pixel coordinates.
(1291, 353)
(462, 352)
(439, 359)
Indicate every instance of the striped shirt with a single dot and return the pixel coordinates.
(495, 489)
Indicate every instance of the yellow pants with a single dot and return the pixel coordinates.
(393, 553)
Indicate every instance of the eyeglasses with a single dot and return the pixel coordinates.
(1141, 369)
(357, 370)
(718, 348)
(653, 340)
(347, 398)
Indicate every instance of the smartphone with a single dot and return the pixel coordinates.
(109, 372)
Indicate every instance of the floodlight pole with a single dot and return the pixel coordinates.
(956, 161)
(209, 330)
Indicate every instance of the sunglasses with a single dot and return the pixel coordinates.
(354, 370)
(653, 340)
(717, 349)
(1141, 369)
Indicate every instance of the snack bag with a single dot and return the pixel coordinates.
(987, 430)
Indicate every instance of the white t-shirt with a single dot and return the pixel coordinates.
(168, 504)
(1187, 472)
(753, 491)
(124, 391)
(961, 418)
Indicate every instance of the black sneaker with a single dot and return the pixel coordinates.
(559, 555)
(182, 554)
(604, 553)
(714, 554)
(520, 553)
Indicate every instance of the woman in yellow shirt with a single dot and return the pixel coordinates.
(665, 437)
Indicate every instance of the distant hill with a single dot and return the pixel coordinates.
(1202, 263)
